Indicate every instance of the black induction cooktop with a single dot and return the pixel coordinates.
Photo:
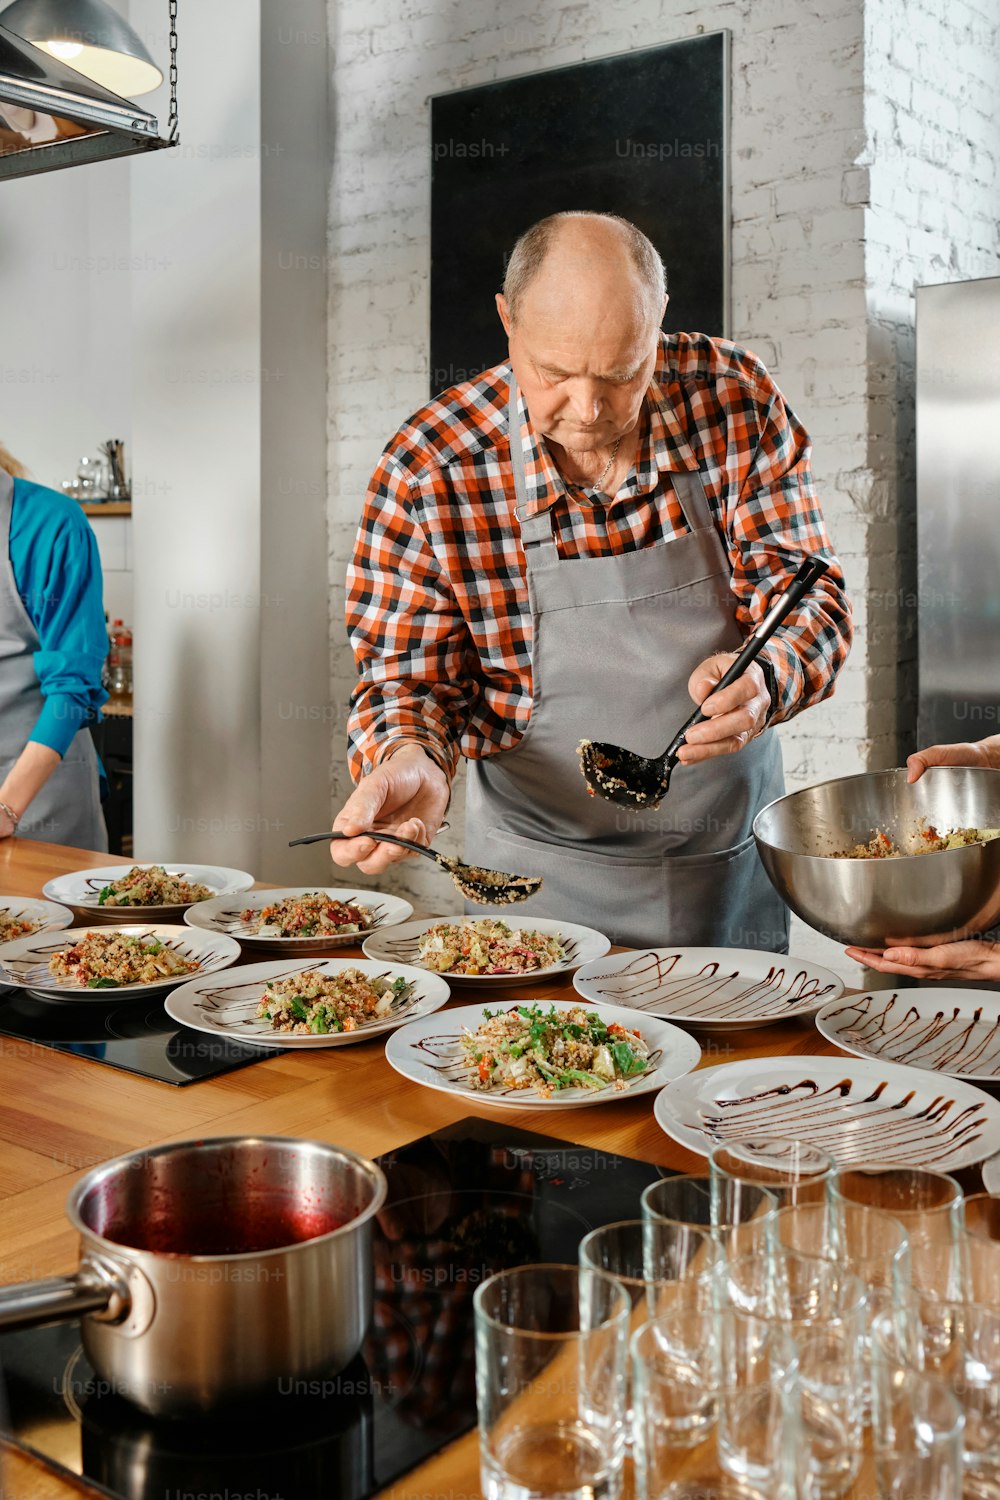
(135, 1035)
(463, 1203)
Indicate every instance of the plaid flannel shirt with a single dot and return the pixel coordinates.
(437, 597)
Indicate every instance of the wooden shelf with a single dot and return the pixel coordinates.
(110, 508)
(119, 706)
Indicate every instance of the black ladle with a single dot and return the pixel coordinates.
(639, 781)
(488, 887)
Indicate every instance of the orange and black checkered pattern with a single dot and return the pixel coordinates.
(437, 597)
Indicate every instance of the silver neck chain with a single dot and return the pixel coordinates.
(607, 467)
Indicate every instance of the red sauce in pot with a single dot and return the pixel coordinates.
(255, 1229)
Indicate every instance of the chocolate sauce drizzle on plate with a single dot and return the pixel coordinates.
(855, 1123)
(714, 993)
(943, 1037)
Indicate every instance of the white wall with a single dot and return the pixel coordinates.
(65, 274)
(231, 604)
(932, 170)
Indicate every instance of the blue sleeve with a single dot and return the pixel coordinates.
(57, 569)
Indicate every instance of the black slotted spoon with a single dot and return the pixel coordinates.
(641, 781)
(488, 887)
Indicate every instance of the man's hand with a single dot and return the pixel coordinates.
(972, 959)
(981, 753)
(734, 716)
(407, 794)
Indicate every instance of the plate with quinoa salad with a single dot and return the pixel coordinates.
(84, 963)
(300, 919)
(538, 1055)
(20, 916)
(324, 1002)
(495, 948)
(146, 892)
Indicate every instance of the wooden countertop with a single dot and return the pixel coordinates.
(61, 1115)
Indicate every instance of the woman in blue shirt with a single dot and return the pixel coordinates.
(53, 641)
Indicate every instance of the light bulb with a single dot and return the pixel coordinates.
(63, 50)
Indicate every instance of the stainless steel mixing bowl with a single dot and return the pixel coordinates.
(873, 903)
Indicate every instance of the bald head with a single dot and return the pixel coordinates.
(571, 262)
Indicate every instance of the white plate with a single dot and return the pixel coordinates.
(27, 909)
(856, 1109)
(224, 914)
(429, 1052)
(25, 962)
(991, 1175)
(715, 989)
(581, 944)
(81, 888)
(943, 1031)
(228, 1007)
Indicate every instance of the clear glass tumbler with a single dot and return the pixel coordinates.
(928, 1204)
(735, 1212)
(551, 1351)
(917, 1425)
(794, 1171)
(716, 1414)
(823, 1310)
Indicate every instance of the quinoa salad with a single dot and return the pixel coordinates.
(881, 846)
(150, 885)
(527, 1047)
(313, 914)
(316, 1004)
(486, 945)
(12, 927)
(105, 960)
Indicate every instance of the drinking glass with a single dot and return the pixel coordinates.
(652, 1261)
(716, 1419)
(650, 1258)
(982, 1215)
(980, 1270)
(760, 1432)
(794, 1171)
(551, 1348)
(735, 1212)
(823, 1309)
(961, 1346)
(928, 1204)
(917, 1425)
(868, 1243)
(679, 1351)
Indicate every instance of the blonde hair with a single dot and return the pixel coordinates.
(12, 465)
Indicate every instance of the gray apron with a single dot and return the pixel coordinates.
(615, 641)
(67, 810)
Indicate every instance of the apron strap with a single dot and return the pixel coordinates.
(689, 487)
(6, 507)
(536, 531)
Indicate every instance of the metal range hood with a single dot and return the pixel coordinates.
(51, 116)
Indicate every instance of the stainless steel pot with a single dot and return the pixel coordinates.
(212, 1270)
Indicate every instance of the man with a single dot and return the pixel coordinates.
(977, 959)
(572, 546)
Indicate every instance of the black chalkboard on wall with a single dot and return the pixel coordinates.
(643, 134)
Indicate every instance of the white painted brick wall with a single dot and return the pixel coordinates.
(831, 180)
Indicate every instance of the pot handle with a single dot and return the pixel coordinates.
(96, 1288)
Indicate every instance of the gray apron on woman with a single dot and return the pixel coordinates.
(67, 810)
(615, 641)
